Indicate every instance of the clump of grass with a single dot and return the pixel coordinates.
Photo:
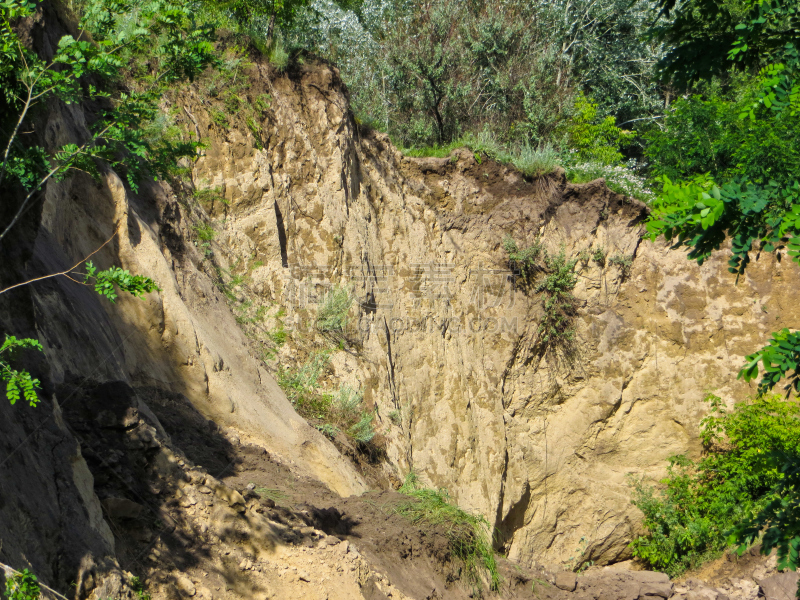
(302, 385)
(434, 151)
(219, 118)
(339, 412)
(277, 496)
(624, 262)
(535, 162)
(531, 161)
(277, 54)
(278, 336)
(332, 314)
(470, 540)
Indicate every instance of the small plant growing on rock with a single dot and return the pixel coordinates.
(332, 314)
(138, 587)
(523, 261)
(205, 232)
(342, 411)
(19, 383)
(624, 262)
(362, 431)
(599, 256)
(555, 285)
(558, 301)
(219, 118)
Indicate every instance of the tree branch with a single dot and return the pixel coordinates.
(66, 272)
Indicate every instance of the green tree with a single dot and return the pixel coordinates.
(430, 71)
(259, 17)
(750, 208)
(177, 48)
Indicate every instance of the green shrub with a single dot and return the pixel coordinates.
(205, 232)
(705, 135)
(555, 326)
(469, 535)
(218, 117)
(332, 314)
(362, 431)
(523, 261)
(328, 430)
(554, 278)
(22, 586)
(689, 517)
(599, 256)
(595, 139)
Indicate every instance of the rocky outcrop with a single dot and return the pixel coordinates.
(539, 439)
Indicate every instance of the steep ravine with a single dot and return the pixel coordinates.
(538, 442)
(157, 414)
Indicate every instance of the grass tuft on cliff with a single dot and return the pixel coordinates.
(469, 535)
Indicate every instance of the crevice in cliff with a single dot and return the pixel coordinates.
(281, 235)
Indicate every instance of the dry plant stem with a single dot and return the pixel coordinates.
(68, 271)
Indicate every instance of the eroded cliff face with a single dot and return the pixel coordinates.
(444, 341)
(538, 439)
(183, 342)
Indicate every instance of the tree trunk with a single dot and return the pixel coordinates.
(270, 27)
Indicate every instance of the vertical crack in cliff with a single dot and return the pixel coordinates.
(281, 235)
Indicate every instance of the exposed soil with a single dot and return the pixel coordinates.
(195, 512)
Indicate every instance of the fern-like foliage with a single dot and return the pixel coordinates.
(19, 383)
